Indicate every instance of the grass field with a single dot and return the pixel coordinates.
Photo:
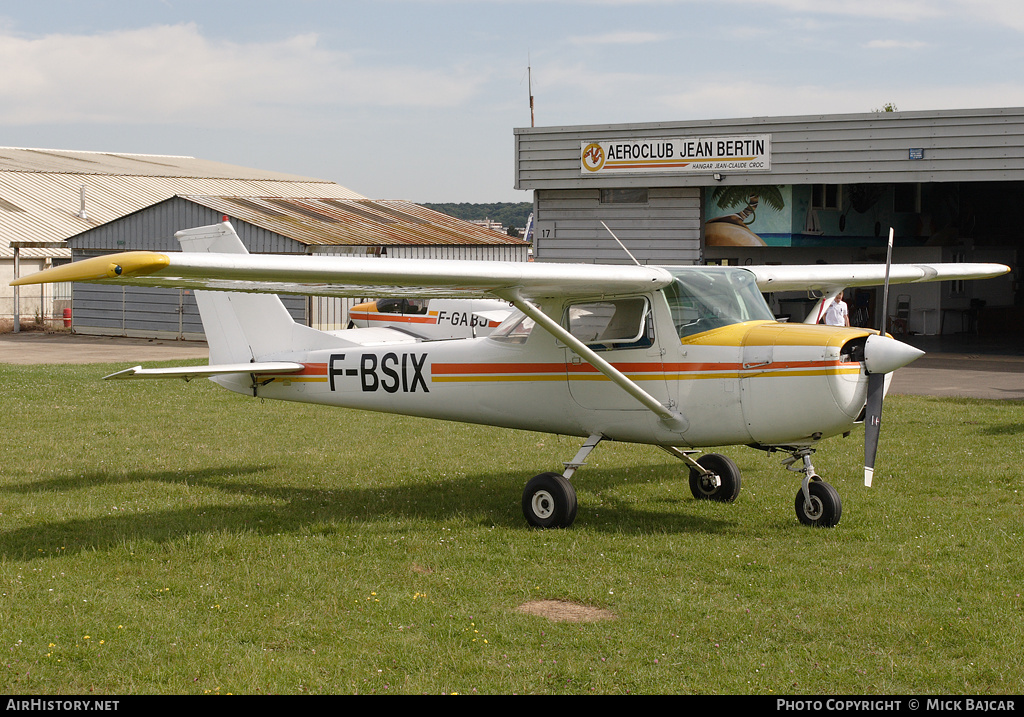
(162, 537)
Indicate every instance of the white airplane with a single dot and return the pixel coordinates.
(432, 318)
(675, 357)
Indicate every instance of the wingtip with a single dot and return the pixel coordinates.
(99, 268)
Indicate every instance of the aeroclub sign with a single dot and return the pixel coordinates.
(738, 153)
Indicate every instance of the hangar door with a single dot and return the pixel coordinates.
(147, 312)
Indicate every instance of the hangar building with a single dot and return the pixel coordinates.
(795, 190)
(48, 195)
(353, 226)
(55, 202)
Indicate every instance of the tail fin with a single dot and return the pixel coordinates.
(243, 327)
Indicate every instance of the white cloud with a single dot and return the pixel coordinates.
(172, 73)
(757, 99)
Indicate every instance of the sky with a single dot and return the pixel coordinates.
(418, 99)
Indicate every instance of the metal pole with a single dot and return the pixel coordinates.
(17, 289)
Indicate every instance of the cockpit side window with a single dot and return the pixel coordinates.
(602, 325)
(402, 306)
(612, 324)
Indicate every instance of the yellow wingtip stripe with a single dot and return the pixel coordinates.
(98, 268)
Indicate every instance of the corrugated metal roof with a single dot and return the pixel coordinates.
(333, 221)
(59, 161)
(40, 190)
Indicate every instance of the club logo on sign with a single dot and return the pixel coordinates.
(593, 157)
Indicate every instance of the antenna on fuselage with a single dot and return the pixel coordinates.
(620, 244)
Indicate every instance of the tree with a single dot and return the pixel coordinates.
(509, 214)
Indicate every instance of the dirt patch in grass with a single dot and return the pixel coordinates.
(562, 611)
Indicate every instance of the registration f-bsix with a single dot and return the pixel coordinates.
(392, 372)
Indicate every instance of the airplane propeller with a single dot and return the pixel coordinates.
(882, 355)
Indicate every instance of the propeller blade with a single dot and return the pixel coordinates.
(885, 286)
(882, 355)
(876, 383)
(872, 423)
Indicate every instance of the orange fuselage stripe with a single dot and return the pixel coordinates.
(451, 372)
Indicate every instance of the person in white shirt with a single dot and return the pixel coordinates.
(837, 313)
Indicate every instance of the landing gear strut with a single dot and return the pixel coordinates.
(712, 476)
(549, 500)
(817, 502)
(720, 480)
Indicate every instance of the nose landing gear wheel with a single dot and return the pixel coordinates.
(549, 501)
(824, 508)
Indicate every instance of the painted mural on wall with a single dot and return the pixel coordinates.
(759, 210)
(856, 215)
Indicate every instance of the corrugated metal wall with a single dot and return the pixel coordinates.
(147, 312)
(153, 230)
(135, 311)
(462, 253)
(958, 146)
(666, 229)
(151, 312)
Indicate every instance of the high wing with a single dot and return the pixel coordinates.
(350, 277)
(831, 277)
(358, 277)
(827, 280)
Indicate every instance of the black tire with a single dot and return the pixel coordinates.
(825, 509)
(727, 486)
(549, 501)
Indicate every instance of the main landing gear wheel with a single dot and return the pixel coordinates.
(721, 483)
(549, 501)
(824, 508)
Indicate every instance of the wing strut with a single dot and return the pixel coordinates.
(814, 315)
(673, 420)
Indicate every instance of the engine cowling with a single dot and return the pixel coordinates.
(801, 383)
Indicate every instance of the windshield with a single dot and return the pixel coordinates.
(708, 297)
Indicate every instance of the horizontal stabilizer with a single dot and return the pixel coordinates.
(190, 372)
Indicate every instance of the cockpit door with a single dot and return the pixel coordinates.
(622, 331)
